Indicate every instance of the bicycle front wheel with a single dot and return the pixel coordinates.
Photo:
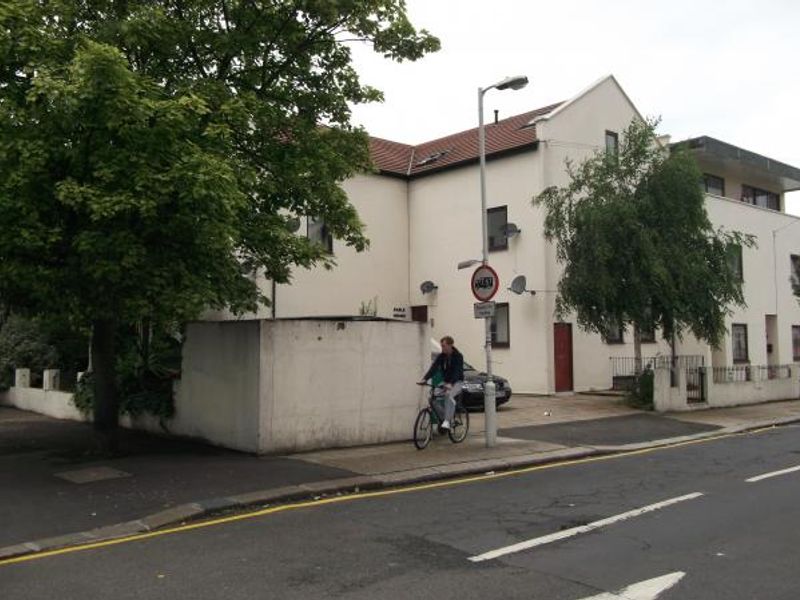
(422, 429)
(460, 428)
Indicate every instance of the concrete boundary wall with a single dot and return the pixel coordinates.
(267, 386)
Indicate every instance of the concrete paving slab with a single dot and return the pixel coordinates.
(92, 474)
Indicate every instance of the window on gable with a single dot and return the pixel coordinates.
(735, 263)
(759, 197)
(713, 184)
(497, 220)
(501, 329)
(614, 334)
(739, 338)
(318, 233)
(612, 143)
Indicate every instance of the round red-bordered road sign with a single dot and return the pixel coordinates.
(485, 283)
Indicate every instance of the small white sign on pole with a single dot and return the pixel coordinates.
(484, 310)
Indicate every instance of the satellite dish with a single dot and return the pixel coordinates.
(427, 287)
(293, 224)
(519, 286)
(510, 230)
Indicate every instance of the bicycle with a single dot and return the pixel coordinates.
(432, 415)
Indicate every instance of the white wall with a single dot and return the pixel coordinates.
(575, 132)
(217, 399)
(339, 383)
(446, 229)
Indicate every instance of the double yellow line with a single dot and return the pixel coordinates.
(348, 498)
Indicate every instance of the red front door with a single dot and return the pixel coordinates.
(562, 335)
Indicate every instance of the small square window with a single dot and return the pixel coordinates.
(497, 221)
(713, 184)
(612, 143)
(318, 233)
(739, 338)
(501, 328)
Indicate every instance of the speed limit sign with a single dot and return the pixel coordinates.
(485, 283)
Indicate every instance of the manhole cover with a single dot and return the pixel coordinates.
(92, 474)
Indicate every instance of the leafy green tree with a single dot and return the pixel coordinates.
(636, 244)
(153, 153)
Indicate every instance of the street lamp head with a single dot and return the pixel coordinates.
(515, 83)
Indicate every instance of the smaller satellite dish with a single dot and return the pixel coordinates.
(293, 224)
(520, 286)
(510, 230)
(426, 287)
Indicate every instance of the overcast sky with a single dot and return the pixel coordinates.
(724, 69)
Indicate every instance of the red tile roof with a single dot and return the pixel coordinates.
(508, 134)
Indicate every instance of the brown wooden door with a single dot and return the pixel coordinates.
(562, 333)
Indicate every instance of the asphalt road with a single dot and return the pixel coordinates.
(716, 535)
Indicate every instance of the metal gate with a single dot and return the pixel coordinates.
(695, 384)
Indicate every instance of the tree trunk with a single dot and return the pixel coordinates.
(106, 399)
(637, 350)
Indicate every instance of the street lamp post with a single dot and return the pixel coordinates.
(489, 392)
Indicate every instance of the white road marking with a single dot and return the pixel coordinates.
(773, 474)
(644, 590)
(567, 533)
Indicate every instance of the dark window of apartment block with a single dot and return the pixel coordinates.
(614, 334)
(795, 269)
(796, 343)
(713, 184)
(318, 232)
(497, 221)
(739, 337)
(647, 334)
(759, 197)
(735, 263)
(501, 327)
(612, 143)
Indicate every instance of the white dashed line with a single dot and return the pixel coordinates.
(773, 474)
(568, 533)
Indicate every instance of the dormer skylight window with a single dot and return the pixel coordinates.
(432, 158)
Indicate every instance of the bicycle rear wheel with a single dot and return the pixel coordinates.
(422, 429)
(460, 428)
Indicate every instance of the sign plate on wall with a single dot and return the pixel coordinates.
(484, 310)
(485, 283)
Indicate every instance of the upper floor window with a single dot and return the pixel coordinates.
(501, 330)
(497, 221)
(795, 269)
(318, 232)
(759, 197)
(612, 143)
(614, 334)
(796, 342)
(735, 263)
(739, 337)
(713, 184)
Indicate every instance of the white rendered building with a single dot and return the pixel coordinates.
(422, 214)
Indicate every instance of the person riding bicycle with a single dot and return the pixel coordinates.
(450, 363)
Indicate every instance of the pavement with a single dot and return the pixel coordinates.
(54, 492)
